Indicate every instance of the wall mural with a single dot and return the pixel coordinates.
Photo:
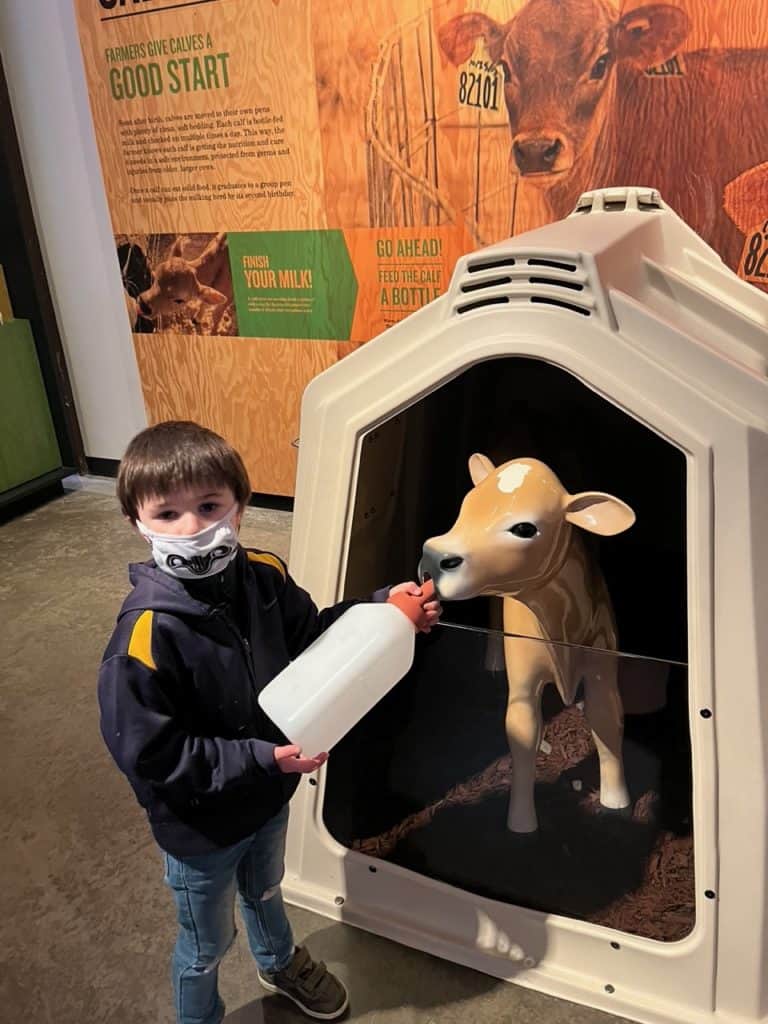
(345, 155)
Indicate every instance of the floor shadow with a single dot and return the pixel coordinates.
(381, 975)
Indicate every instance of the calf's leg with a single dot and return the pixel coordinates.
(605, 716)
(523, 725)
(527, 671)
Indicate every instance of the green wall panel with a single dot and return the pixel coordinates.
(28, 446)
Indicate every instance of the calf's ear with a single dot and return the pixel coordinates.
(746, 199)
(479, 467)
(598, 513)
(211, 296)
(458, 36)
(649, 35)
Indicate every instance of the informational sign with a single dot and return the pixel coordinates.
(209, 122)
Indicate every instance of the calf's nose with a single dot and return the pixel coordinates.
(450, 562)
(435, 563)
(536, 156)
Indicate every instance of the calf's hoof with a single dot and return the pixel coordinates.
(615, 812)
(615, 800)
(522, 825)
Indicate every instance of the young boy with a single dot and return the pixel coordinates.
(206, 627)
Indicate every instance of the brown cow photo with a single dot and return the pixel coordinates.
(498, 114)
(596, 97)
(181, 283)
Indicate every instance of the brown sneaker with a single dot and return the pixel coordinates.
(310, 985)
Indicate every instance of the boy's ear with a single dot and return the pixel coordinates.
(134, 526)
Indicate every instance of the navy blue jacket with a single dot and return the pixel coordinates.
(178, 693)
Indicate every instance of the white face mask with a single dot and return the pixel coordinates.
(194, 557)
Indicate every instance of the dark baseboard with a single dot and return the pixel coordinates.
(22, 499)
(102, 467)
(278, 502)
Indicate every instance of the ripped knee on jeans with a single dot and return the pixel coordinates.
(269, 893)
(204, 964)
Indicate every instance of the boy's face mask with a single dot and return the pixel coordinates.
(199, 555)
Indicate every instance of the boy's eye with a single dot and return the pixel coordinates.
(167, 514)
(209, 506)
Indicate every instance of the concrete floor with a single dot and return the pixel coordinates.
(86, 926)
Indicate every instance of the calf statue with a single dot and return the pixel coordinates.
(515, 538)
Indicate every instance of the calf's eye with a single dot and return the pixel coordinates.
(600, 66)
(525, 530)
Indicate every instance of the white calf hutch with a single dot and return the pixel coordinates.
(616, 347)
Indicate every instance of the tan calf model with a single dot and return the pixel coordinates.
(515, 538)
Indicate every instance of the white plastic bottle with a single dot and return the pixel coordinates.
(324, 692)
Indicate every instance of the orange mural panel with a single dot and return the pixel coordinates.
(399, 271)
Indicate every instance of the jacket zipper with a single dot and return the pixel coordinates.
(244, 644)
(246, 648)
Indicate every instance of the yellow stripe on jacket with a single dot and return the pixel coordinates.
(266, 559)
(140, 644)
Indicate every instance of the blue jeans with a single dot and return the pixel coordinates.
(204, 891)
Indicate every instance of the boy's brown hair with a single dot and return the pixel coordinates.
(178, 454)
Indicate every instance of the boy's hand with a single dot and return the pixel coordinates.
(431, 611)
(289, 759)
